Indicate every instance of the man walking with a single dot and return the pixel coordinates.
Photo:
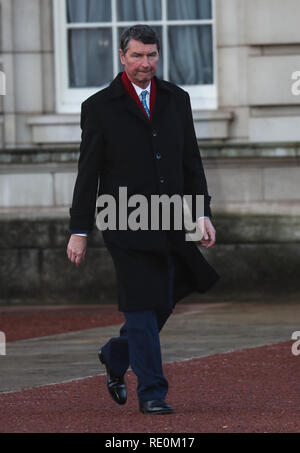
(138, 133)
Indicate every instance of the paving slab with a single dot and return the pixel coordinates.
(208, 330)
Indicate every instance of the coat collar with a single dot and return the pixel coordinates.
(117, 90)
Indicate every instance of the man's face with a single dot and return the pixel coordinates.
(140, 62)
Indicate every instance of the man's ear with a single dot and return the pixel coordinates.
(121, 56)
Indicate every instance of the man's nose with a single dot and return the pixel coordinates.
(145, 61)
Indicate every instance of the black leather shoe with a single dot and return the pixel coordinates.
(115, 385)
(155, 407)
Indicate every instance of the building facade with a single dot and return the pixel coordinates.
(237, 59)
(240, 62)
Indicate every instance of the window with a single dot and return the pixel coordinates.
(87, 36)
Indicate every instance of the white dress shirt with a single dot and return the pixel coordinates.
(139, 92)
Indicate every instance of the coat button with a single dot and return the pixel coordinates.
(154, 133)
(158, 156)
(162, 179)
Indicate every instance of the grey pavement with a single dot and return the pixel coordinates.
(206, 330)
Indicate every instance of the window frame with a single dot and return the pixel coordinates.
(68, 100)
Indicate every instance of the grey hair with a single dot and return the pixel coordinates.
(139, 32)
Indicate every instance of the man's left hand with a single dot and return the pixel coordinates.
(208, 231)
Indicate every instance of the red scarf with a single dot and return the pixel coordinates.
(129, 87)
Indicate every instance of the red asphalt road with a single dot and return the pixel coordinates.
(21, 323)
(250, 391)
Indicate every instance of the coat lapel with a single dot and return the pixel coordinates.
(133, 108)
(163, 94)
(117, 90)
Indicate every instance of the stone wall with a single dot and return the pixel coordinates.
(257, 257)
(242, 177)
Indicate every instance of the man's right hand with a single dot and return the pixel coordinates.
(76, 249)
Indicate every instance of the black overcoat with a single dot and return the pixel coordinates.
(120, 147)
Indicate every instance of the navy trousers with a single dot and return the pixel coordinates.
(139, 346)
